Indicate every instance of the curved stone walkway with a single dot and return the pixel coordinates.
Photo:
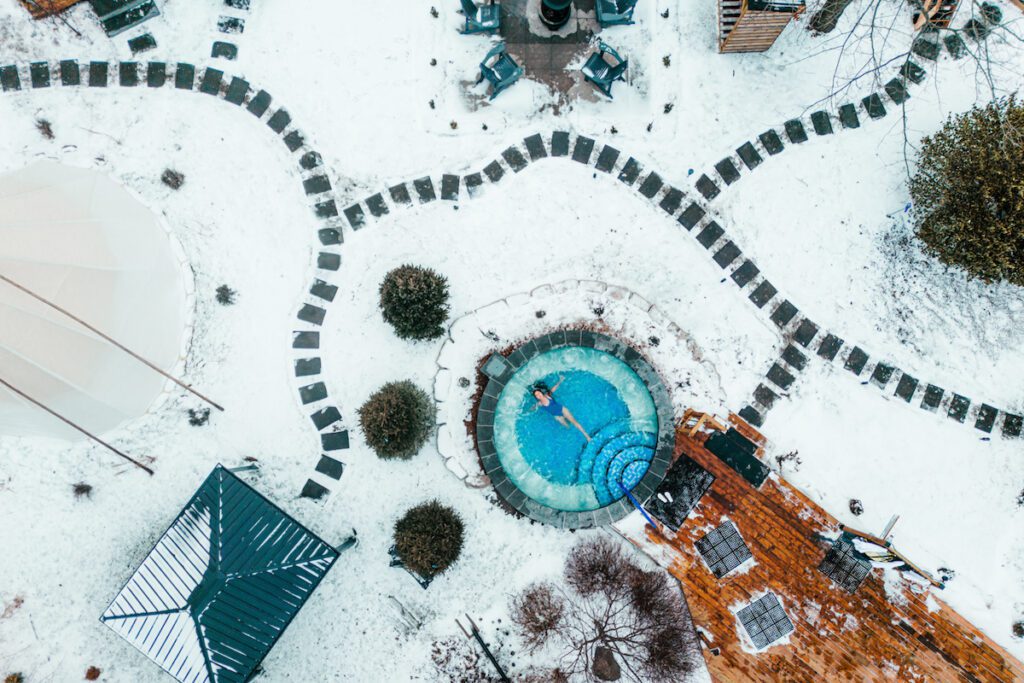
(236, 91)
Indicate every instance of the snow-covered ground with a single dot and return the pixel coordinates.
(823, 221)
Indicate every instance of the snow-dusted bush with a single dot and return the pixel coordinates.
(610, 616)
(968, 192)
(428, 538)
(414, 301)
(396, 420)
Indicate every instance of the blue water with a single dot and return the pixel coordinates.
(554, 464)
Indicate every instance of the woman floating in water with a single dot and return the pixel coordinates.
(547, 402)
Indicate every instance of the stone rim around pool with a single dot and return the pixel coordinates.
(498, 369)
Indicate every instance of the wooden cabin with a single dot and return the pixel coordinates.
(41, 9)
(776, 587)
(753, 25)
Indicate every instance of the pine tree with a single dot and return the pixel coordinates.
(397, 419)
(414, 301)
(428, 538)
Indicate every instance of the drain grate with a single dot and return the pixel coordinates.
(723, 549)
(765, 621)
(845, 565)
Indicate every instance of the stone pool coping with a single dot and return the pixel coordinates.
(519, 501)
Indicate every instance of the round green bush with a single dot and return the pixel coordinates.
(968, 192)
(428, 538)
(414, 301)
(397, 419)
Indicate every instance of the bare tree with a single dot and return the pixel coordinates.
(610, 613)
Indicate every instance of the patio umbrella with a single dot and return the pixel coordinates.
(80, 240)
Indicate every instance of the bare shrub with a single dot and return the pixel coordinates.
(538, 612)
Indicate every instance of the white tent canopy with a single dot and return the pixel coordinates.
(79, 239)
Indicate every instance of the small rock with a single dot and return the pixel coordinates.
(1018, 629)
(598, 309)
(173, 179)
(653, 341)
(82, 490)
(198, 418)
(856, 507)
(605, 667)
(92, 673)
(226, 295)
(464, 382)
(541, 314)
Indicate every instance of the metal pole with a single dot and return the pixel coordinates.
(638, 506)
(66, 421)
(487, 651)
(89, 327)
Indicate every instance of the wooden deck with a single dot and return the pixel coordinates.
(865, 636)
(46, 8)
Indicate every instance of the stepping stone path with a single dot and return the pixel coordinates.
(230, 26)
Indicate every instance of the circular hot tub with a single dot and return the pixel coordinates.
(573, 469)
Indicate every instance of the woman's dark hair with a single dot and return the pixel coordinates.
(542, 387)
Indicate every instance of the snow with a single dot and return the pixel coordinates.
(824, 221)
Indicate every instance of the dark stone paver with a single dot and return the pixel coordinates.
(630, 172)
(822, 123)
(310, 160)
(829, 347)
(184, 76)
(294, 140)
(313, 490)
(237, 90)
(279, 120)
(142, 43)
(730, 174)
(330, 467)
(9, 78)
(1012, 425)
(306, 340)
(324, 290)
(795, 131)
(560, 144)
(535, 147)
(906, 387)
(39, 72)
(856, 361)
(311, 393)
(328, 209)
(728, 253)
(848, 116)
(912, 72)
(582, 150)
(210, 85)
(128, 74)
(955, 45)
(805, 332)
(745, 273)
(928, 49)
(156, 74)
(794, 357)
(783, 313)
(356, 217)
(651, 184)
(317, 184)
(515, 159)
(449, 187)
(259, 104)
(752, 416)
(707, 187)
(222, 49)
(691, 216)
(986, 418)
(70, 72)
(710, 234)
(873, 106)
(896, 91)
(494, 171)
(424, 189)
(473, 182)
(958, 407)
(778, 375)
(672, 200)
(334, 441)
(765, 396)
(329, 236)
(377, 206)
(98, 72)
(304, 367)
(932, 397)
(400, 194)
(749, 156)
(607, 158)
(882, 374)
(771, 142)
(322, 419)
(763, 293)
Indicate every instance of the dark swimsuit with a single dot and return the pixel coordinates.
(554, 407)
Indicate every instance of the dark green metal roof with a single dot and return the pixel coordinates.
(221, 585)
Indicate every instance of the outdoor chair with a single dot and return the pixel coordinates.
(602, 72)
(615, 12)
(481, 18)
(500, 69)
